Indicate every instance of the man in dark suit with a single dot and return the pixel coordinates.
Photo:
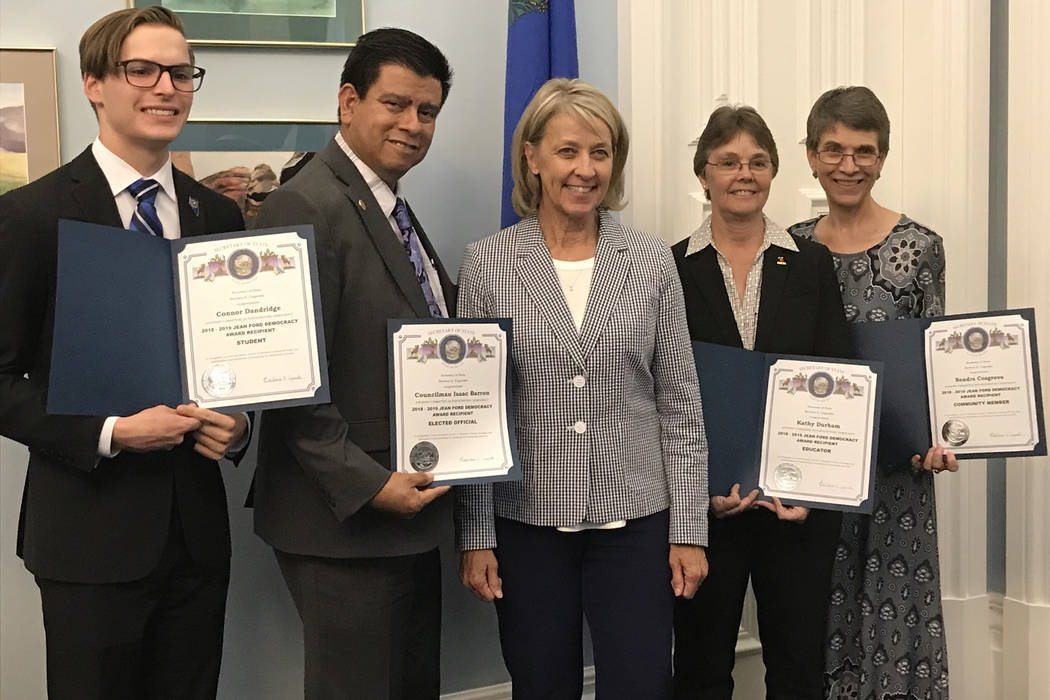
(357, 542)
(123, 521)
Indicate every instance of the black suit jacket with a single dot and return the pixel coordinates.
(87, 519)
(319, 466)
(800, 310)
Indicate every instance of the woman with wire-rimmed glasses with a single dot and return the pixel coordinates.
(885, 636)
(748, 283)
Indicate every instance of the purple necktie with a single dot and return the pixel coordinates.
(415, 255)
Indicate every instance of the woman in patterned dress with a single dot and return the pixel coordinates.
(886, 636)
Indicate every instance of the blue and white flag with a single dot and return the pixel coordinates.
(541, 44)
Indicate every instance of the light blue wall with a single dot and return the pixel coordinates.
(455, 192)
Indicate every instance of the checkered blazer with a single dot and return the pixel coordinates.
(608, 419)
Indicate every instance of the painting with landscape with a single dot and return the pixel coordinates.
(14, 160)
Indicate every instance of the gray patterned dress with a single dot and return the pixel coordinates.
(885, 626)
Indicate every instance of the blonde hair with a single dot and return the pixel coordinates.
(564, 96)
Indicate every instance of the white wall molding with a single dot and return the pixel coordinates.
(503, 691)
(929, 64)
(830, 50)
(1026, 607)
(812, 202)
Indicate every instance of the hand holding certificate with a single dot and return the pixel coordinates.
(247, 319)
(981, 389)
(820, 427)
(801, 429)
(450, 394)
(226, 321)
(968, 383)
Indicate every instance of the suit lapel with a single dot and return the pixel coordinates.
(91, 191)
(611, 266)
(774, 275)
(191, 218)
(535, 271)
(390, 250)
(705, 274)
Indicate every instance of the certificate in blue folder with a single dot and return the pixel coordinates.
(906, 423)
(230, 321)
(799, 428)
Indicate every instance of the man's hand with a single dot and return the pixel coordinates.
(157, 428)
(795, 514)
(407, 494)
(478, 570)
(217, 431)
(726, 506)
(688, 569)
(937, 460)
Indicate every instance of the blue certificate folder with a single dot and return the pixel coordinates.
(905, 429)
(117, 346)
(733, 384)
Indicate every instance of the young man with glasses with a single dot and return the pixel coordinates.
(124, 521)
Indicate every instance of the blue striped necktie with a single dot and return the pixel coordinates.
(145, 218)
(415, 255)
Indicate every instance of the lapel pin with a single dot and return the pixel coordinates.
(195, 206)
(780, 260)
(361, 204)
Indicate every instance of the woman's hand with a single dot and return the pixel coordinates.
(688, 569)
(937, 460)
(795, 514)
(726, 506)
(478, 572)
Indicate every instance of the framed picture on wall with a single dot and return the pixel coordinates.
(244, 160)
(28, 116)
(289, 23)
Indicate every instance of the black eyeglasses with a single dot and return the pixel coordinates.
(145, 74)
(859, 159)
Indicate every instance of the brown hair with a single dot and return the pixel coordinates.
(100, 45)
(564, 96)
(856, 107)
(725, 123)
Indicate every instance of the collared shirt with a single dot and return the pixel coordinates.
(120, 175)
(387, 199)
(745, 310)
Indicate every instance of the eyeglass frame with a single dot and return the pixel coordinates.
(197, 77)
(741, 163)
(841, 155)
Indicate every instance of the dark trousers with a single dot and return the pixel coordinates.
(790, 569)
(371, 626)
(159, 637)
(620, 579)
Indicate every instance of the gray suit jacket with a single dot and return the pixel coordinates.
(608, 420)
(319, 466)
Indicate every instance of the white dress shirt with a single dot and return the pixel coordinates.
(575, 278)
(387, 199)
(119, 174)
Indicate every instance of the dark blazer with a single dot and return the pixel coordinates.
(87, 519)
(319, 466)
(800, 310)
